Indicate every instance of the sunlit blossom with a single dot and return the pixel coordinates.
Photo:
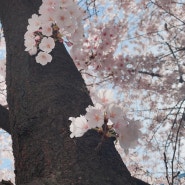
(78, 126)
(105, 96)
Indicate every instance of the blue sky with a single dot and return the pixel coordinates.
(6, 163)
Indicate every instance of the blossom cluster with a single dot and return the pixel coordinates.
(57, 21)
(109, 120)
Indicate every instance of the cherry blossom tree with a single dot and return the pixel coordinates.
(40, 101)
(59, 134)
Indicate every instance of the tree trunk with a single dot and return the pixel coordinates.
(41, 99)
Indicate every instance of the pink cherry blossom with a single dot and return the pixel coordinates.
(29, 41)
(46, 9)
(47, 30)
(33, 50)
(119, 125)
(50, 3)
(63, 18)
(105, 96)
(43, 58)
(66, 3)
(34, 23)
(95, 116)
(128, 138)
(47, 44)
(114, 112)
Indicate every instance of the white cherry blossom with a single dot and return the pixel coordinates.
(33, 50)
(47, 30)
(29, 41)
(47, 44)
(43, 58)
(114, 112)
(63, 18)
(78, 126)
(34, 23)
(105, 96)
(95, 116)
(128, 138)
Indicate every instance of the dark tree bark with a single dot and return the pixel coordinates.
(4, 119)
(140, 182)
(40, 100)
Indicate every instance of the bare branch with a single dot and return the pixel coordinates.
(166, 167)
(150, 73)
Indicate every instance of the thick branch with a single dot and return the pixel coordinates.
(4, 119)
